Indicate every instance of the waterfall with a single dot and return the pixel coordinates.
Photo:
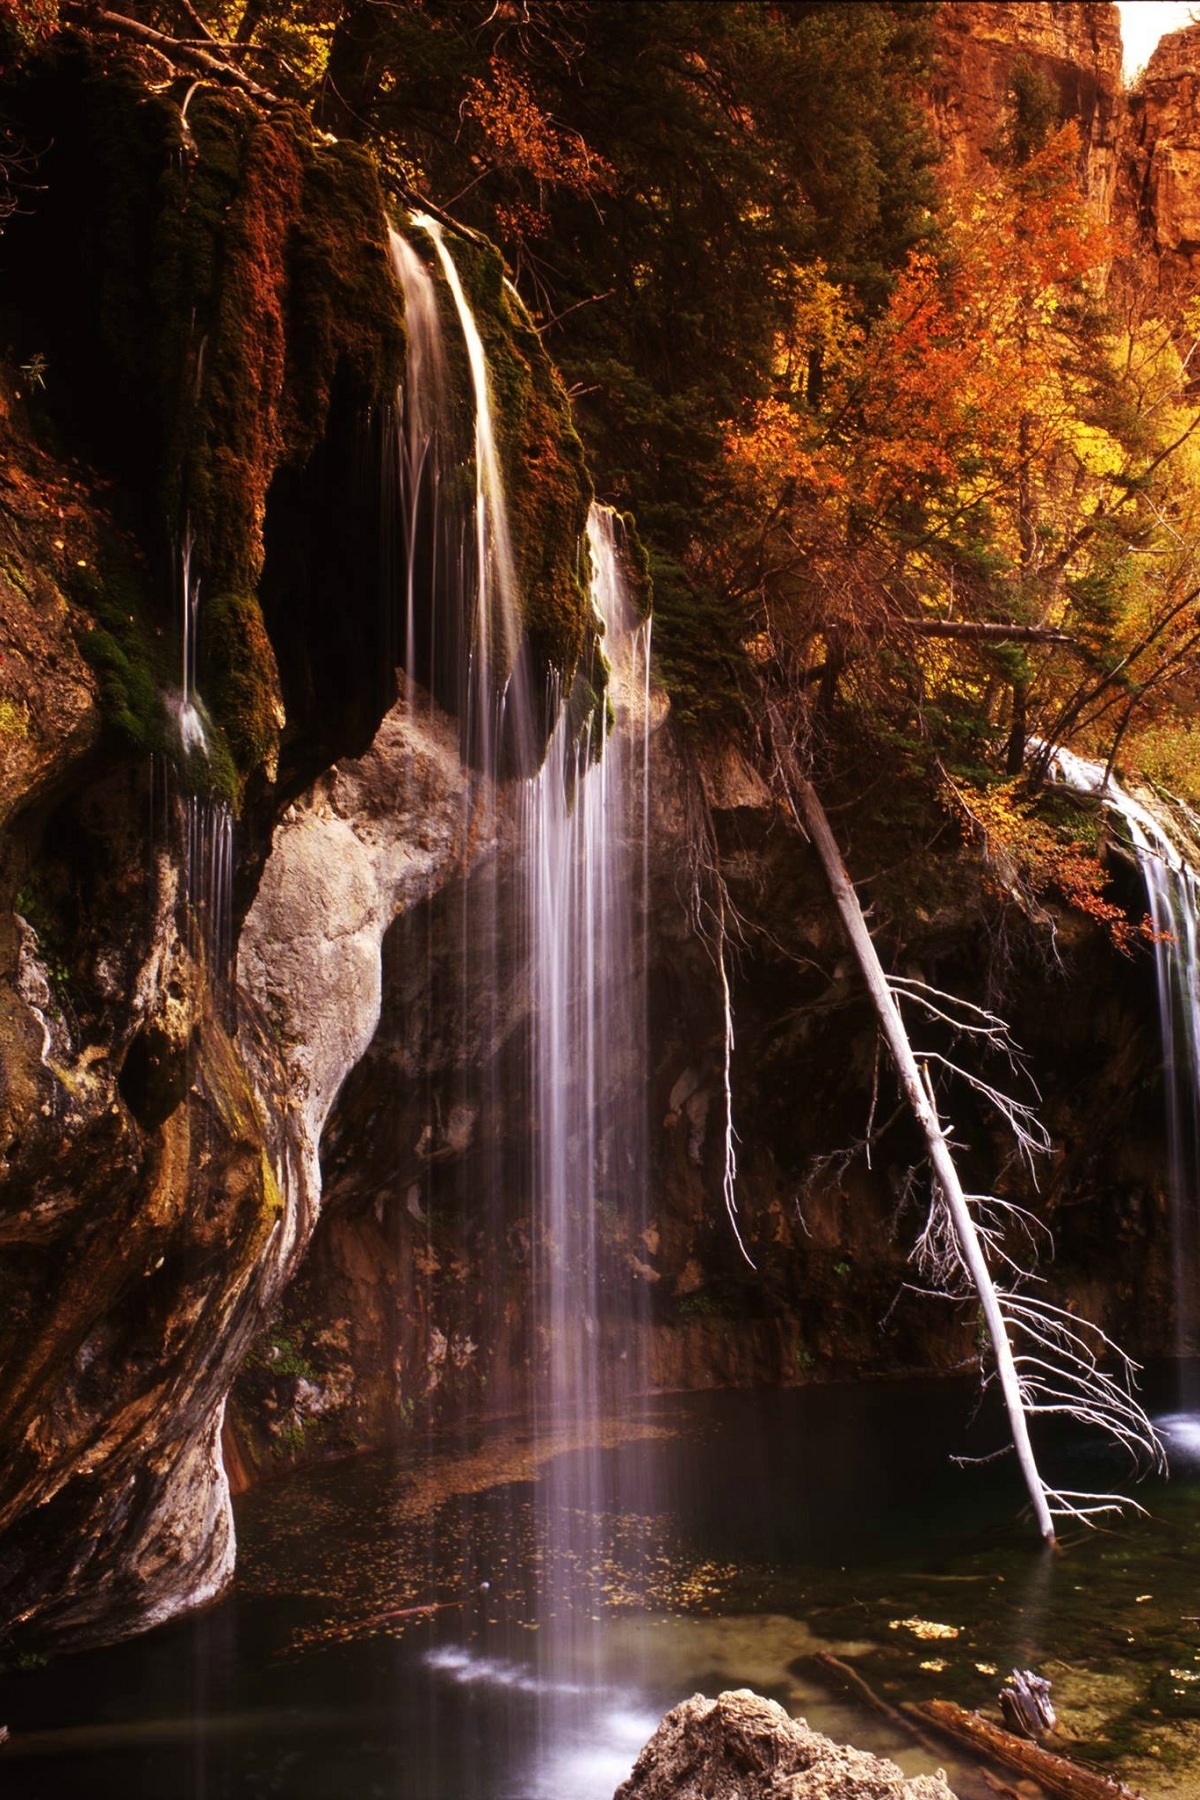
(193, 739)
(582, 820)
(206, 823)
(579, 845)
(1174, 899)
(208, 885)
(433, 575)
(493, 671)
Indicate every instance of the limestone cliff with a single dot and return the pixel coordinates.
(1140, 150)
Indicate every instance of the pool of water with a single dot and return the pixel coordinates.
(385, 1639)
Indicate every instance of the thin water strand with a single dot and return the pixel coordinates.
(1174, 902)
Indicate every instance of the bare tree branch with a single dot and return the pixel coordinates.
(185, 55)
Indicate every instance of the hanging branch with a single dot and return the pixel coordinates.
(711, 920)
(811, 814)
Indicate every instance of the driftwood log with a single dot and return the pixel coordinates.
(1057, 1774)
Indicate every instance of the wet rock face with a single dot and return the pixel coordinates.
(742, 1747)
(205, 307)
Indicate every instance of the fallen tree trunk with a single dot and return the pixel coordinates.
(1057, 1774)
(987, 632)
(915, 1083)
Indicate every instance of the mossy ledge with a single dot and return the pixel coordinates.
(210, 288)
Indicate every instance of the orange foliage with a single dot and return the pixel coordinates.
(1027, 851)
(523, 139)
(963, 391)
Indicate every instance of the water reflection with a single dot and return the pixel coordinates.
(384, 1638)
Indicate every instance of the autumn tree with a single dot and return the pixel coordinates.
(977, 530)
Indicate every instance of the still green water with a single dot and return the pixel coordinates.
(384, 1636)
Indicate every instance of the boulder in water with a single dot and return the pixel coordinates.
(742, 1747)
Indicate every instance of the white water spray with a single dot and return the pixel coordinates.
(423, 415)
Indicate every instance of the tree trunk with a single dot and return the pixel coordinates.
(348, 90)
(916, 1089)
(1015, 760)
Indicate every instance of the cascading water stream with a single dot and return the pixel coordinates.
(431, 564)
(1174, 898)
(581, 888)
(493, 668)
(206, 822)
(583, 832)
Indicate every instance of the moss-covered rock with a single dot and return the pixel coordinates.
(241, 681)
(201, 280)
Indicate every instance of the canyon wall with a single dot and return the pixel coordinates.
(1074, 49)
(1139, 149)
(163, 1163)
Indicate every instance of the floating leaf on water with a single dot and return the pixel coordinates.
(935, 1665)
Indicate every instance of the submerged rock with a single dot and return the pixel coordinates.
(742, 1747)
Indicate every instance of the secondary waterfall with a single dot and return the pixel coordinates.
(579, 844)
(583, 835)
(1171, 888)
(493, 668)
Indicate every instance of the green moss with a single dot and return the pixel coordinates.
(279, 1353)
(127, 656)
(1073, 818)
(289, 1439)
(13, 720)
(241, 681)
(36, 906)
(635, 565)
(136, 666)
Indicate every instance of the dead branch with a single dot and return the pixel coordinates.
(176, 50)
(988, 632)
